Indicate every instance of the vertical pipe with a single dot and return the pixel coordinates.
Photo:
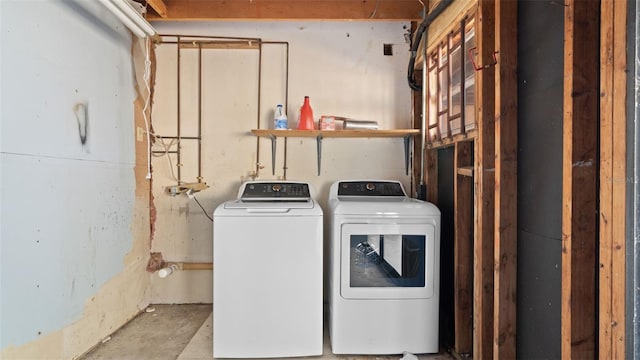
(258, 112)
(423, 123)
(286, 106)
(199, 112)
(178, 164)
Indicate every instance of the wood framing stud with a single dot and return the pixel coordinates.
(506, 140)
(484, 182)
(579, 187)
(612, 250)
(463, 240)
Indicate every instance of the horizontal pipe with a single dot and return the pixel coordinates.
(196, 266)
(130, 12)
(169, 268)
(181, 137)
(130, 24)
(190, 265)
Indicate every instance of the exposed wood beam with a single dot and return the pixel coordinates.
(462, 248)
(579, 185)
(485, 185)
(159, 7)
(409, 10)
(506, 181)
(613, 93)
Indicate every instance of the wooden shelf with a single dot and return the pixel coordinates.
(337, 133)
(407, 134)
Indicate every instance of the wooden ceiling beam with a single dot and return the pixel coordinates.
(259, 10)
(159, 6)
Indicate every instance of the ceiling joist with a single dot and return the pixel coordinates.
(159, 7)
(258, 10)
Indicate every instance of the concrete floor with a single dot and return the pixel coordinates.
(184, 332)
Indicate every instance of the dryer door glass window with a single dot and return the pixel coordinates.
(387, 260)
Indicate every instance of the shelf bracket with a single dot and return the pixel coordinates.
(273, 154)
(319, 143)
(407, 149)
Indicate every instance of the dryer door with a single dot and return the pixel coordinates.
(388, 261)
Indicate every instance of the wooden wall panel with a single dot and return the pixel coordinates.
(506, 182)
(613, 73)
(579, 188)
(484, 182)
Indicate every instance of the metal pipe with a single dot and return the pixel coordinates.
(182, 137)
(180, 39)
(169, 268)
(130, 24)
(422, 34)
(286, 102)
(178, 164)
(131, 13)
(423, 123)
(196, 266)
(286, 97)
(258, 112)
(179, 36)
(199, 113)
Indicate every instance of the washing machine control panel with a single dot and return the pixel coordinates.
(370, 188)
(274, 191)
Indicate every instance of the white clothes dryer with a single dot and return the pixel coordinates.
(384, 269)
(267, 277)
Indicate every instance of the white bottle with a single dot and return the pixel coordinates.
(280, 118)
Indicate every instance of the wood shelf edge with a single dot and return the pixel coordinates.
(336, 133)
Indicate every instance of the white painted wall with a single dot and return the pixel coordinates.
(72, 252)
(340, 65)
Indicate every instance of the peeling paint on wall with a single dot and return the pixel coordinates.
(73, 222)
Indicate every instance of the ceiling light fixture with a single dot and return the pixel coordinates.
(130, 17)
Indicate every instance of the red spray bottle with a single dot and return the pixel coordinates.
(305, 121)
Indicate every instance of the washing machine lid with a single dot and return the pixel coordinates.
(266, 205)
(272, 197)
(274, 191)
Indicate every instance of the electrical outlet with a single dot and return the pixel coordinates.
(139, 134)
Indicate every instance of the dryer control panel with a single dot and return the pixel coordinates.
(371, 188)
(275, 191)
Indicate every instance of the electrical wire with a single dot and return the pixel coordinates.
(166, 152)
(203, 210)
(422, 30)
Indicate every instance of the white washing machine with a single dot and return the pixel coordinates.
(267, 277)
(384, 270)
